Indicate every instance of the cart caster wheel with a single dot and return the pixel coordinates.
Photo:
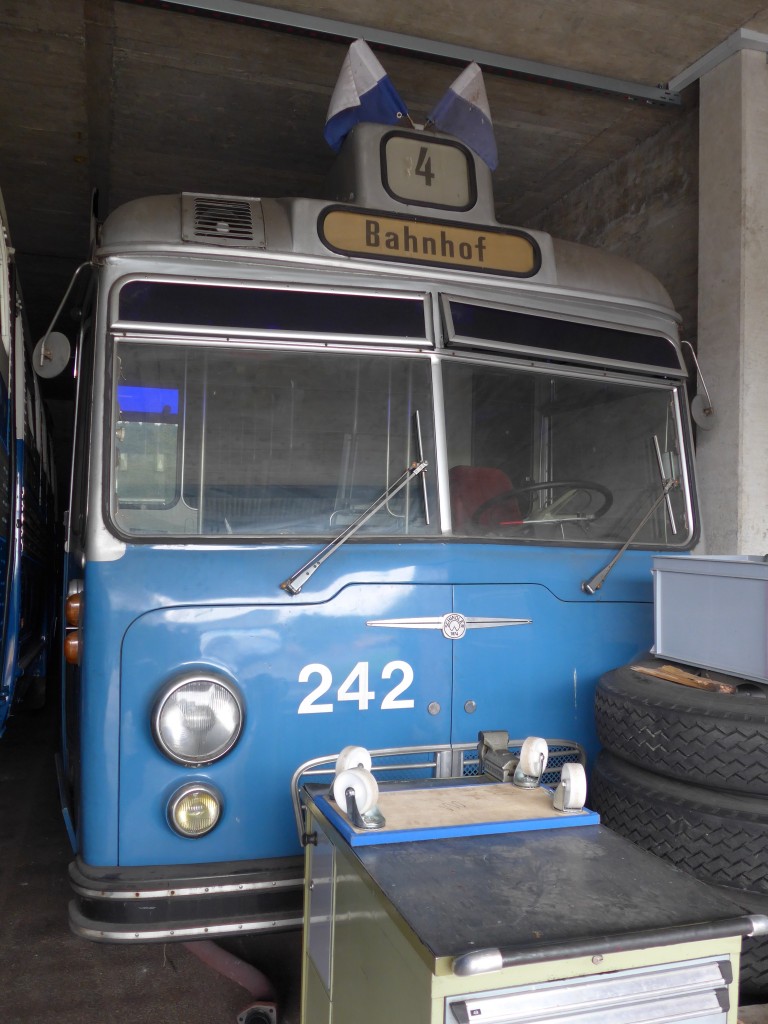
(258, 1013)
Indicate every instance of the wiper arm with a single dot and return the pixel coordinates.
(591, 586)
(420, 454)
(296, 580)
(660, 459)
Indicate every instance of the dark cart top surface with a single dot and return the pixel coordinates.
(531, 890)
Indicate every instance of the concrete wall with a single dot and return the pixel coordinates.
(733, 309)
(704, 236)
(645, 207)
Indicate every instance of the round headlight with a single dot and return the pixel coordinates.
(193, 810)
(197, 719)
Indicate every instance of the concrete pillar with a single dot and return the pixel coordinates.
(732, 457)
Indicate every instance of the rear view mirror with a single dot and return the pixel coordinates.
(51, 354)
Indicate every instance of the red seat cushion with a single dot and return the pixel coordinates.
(472, 486)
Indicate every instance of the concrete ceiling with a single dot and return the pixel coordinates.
(143, 98)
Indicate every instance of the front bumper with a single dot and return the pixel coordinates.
(173, 904)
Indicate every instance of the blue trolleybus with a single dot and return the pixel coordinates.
(27, 505)
(353, 471)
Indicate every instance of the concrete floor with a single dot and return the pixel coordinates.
(48, 974)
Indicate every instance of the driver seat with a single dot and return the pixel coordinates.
(471, 487)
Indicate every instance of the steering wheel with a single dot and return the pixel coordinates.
(547, 485)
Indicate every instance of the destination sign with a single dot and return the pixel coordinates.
(391, 236)
(428, 172)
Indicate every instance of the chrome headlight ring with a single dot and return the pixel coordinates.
(197, 718)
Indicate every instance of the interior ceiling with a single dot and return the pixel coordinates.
(144, 98)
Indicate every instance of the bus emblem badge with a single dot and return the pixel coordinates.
(454, 626)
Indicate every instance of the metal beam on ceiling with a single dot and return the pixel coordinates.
(498, 63)
(744, 39)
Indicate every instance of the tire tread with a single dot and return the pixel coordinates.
(714, 740)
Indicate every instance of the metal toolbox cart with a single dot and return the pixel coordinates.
(571, 924)
(713, 611)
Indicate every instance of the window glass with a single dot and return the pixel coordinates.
(147, 438)
(272, 309)
(216, 441)
(477, 324)
(551, 458)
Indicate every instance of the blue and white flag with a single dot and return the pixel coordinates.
(464, 112)
(363, 93)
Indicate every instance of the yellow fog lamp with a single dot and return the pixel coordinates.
(194, 810)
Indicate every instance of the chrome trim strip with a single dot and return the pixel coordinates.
(256, 334)
(488, 622)
(453, 625)
(209, 931)
(427, 622)
(199, 890)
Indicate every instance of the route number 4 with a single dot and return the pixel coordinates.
(424, 167)
(356, 687)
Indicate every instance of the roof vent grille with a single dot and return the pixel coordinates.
(220, 220)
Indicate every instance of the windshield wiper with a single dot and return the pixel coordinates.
(591, 586)
(661, 460)
(296, 580)
(420, 454)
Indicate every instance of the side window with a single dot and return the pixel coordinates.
(147, 444)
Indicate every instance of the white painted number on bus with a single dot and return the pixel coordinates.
(308, 705)
(392, 699)
(361, 694)
(356, 687)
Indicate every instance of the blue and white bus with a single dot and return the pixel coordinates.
(28, 563)
(347, 471)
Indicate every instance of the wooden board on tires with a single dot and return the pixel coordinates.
(675, 674)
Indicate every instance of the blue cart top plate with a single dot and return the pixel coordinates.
(414, 812)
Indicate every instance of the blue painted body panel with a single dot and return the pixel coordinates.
(13, 568)
(6, 549)
(167, 609)
(9, 579)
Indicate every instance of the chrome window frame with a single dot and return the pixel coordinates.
(439, 344)
(674, 386)
(436, 360)
(115, 324)
(454, 340)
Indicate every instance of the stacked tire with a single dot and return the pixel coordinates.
(684, 774)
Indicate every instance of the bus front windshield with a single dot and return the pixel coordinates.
(217, 441)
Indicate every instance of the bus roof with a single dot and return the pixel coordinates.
(398, 199)
(155, 225)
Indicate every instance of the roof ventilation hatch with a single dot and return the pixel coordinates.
(222, 220)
